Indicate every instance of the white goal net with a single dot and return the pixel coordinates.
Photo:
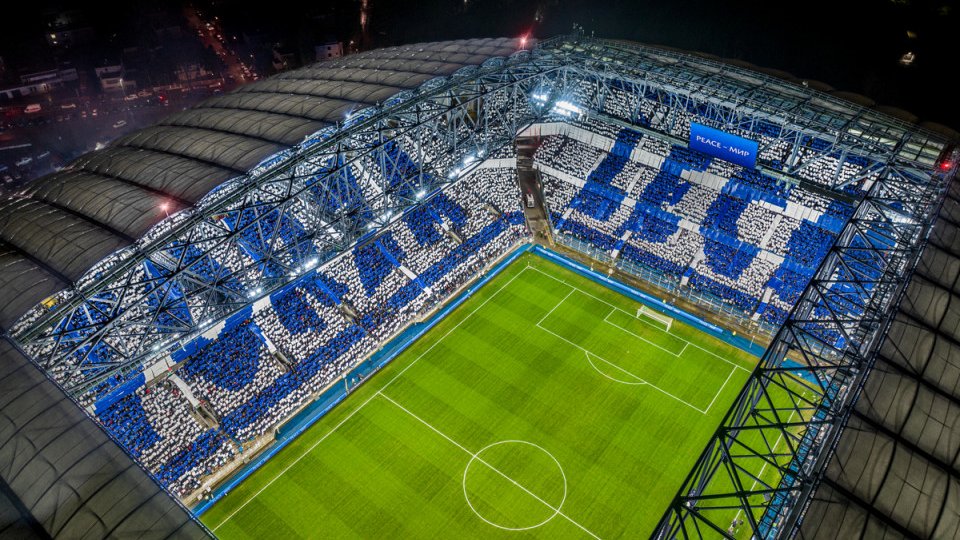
(647, 313)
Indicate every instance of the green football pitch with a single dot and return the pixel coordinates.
(544, 404)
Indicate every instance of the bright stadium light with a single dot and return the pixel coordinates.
(567, 108)
(420, 194)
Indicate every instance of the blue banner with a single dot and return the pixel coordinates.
(723, 145)
(119, 393)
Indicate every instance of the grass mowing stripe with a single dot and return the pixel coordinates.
(720, 391)
(397, 376)
(717, 343)
(491, 467)
(645, 331)
(571, 327)
(488, 376)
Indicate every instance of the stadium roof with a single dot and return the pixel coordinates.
(60, 225)
(896, 470)
(62, 477)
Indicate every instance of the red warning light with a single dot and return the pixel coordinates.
(949, 159)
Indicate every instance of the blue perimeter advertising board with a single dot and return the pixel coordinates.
(723, 145)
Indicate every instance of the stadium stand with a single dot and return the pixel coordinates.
(61, 476)
(725, 230)
(894, 472)
(412, 266)
(157, 423)
(749, 239)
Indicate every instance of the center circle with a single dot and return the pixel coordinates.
(514, 485)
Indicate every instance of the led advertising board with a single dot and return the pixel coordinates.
(723, 145)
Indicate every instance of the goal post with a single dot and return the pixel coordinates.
(645, 312)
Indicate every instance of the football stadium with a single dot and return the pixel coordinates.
(574, 288)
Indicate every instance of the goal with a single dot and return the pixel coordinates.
(648, 313)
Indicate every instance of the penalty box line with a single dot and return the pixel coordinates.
(689, 343)
(368, 400)
(640, 379)
(662, 348)
(631, 374)
(477, 457)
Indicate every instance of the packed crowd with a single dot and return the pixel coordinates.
(155, 424)
(813, 158)
(625, 192)
(265, 363)
(672, 224)
(642, 105)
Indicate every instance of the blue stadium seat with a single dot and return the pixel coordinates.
(723, 213)
(726, 260)
(738, 298)
(128, 423)
(599, 199)
(372, 265)
(809, 244)
(230, 362)
(665, 188)
(295, 313)
(190, 457)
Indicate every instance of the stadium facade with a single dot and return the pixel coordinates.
(122, 269)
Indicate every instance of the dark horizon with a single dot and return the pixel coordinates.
(850, 46)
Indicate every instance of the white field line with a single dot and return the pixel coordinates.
(641, 320)
(640, 381)
(555, 307)
(760, 474)
(362, 405)
(664, 349)
(619, 368)
(720, 391)
(492, 468)
(647, 383)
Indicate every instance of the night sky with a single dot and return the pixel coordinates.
(851, 45)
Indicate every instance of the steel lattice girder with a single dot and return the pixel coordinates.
(734, 97)
(196, 267)
(790, 412)
(160, 296)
